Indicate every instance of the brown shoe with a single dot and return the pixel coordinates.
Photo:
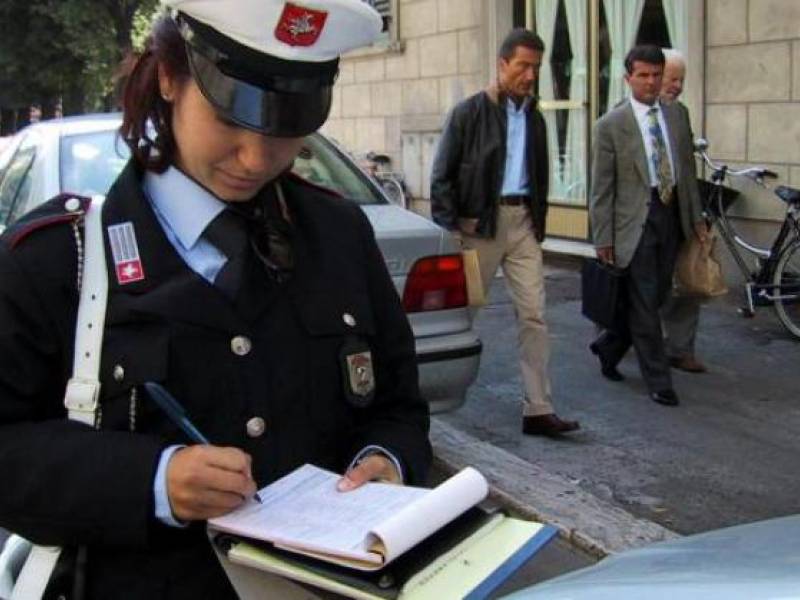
(665, 397)
(687, 363)
(550, 425)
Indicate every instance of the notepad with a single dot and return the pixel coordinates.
(364, 529)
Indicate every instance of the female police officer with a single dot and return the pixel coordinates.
(260, 302)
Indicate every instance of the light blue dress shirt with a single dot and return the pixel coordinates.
(168, 194)
(515, 176)
(640, 110)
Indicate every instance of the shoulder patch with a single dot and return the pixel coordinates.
(64, 208)
(295, 178)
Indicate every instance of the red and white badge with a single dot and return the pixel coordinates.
(127, 262)
(299, 26)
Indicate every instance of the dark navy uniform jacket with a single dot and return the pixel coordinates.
(67, 484)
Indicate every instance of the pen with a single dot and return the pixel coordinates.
(177, 415)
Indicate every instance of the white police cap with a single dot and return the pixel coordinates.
(270, 65)
(313, 31)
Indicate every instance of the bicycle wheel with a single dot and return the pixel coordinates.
(787, 275)
(394, 191)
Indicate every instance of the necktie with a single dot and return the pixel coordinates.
(228, 232)
(659, 157)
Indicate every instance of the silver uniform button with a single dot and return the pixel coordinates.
(119, 373)
(241, 345)
(72, 205)
(256, 427)
(349, 319)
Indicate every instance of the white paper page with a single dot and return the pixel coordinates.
(429, 513)
(304, 509)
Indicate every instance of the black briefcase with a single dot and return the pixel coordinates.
(603, 294)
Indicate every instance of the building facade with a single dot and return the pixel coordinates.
(742, 88)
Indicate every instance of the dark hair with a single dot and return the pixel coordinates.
(147, 117)
(646, 53)
(519, 37)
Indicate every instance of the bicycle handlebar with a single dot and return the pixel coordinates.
(757, 174)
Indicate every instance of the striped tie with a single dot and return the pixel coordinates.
(659, 157)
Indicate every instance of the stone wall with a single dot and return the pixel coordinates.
(384, 95)
(753, 93)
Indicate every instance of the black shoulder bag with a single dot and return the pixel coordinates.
(603, 288)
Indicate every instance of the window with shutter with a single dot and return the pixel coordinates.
(384, 8)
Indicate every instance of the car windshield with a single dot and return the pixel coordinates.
(321, 163)
(90, 162)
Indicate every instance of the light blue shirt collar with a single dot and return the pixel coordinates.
(511, 106)
(170, 192)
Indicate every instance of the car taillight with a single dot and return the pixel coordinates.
(435, 283)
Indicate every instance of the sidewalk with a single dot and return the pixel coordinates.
(637, 472)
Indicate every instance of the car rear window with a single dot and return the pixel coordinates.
(90, 162)
(321, 163)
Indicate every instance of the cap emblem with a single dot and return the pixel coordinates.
(300, 26)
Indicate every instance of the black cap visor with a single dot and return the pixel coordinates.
(284, 109)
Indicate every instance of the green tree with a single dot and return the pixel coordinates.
(66, 50)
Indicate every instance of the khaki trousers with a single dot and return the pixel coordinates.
(515, 249)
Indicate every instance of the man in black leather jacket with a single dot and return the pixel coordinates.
(489, 186)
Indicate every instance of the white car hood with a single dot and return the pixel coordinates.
(759, 561)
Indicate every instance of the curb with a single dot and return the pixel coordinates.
(585, 521)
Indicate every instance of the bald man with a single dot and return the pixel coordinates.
(680, 314)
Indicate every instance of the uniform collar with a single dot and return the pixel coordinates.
(169, 191)
(169, 288)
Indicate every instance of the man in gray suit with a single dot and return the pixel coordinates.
(644, 201)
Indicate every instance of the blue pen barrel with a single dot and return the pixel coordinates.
(174, 411)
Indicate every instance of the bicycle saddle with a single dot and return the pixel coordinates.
(788, 195)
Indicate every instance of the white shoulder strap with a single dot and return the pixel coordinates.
(35, 573)
(83, 390)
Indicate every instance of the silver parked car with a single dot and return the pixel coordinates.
(757, 561)
(83, 155)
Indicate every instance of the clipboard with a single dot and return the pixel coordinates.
(469, 558)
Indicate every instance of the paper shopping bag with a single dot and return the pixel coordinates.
(472, 272)
(698, 271)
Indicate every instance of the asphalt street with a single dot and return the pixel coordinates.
(727, 455)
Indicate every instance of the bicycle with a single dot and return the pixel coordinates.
(775, 281)
(378, 166)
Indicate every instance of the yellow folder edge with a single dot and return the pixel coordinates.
(245, 554)
(469, 564)
(452, 575)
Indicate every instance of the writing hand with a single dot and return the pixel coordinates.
(374, 467)
(208, 481)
